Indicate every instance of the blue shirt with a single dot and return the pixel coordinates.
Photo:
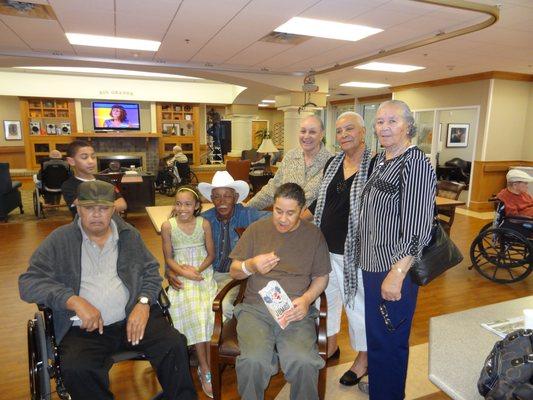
(242, 217)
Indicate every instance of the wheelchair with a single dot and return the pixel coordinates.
(169, 178)
(47, 192)
(503, 250)
(44, 361)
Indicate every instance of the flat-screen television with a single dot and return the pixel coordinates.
(116, 116)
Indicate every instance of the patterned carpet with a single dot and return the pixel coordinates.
(62, 213)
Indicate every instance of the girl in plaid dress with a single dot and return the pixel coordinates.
(189, 251)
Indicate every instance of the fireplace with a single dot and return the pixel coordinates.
(145, 149)
(126, 160)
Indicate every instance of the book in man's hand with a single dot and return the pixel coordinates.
(277, 302)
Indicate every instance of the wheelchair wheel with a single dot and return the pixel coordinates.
(40, 388)
(171, 186)
(193, 179)
(502, 255)
(37, 206)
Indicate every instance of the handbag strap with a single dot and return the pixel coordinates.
(400, 190)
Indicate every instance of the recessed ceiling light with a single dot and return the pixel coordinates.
(268, 101)
(262, 105)
(372, 85)
(111, 71)
(326, 29)
(389, 67)
(112, 42)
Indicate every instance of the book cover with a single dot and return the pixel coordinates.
(277, 302)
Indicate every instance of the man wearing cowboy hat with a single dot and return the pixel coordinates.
(228, 215)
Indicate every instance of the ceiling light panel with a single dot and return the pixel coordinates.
(388, 67)
(112, 42)
(268, 101)
(327, 29)
(371, 85)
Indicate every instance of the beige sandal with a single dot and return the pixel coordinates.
(205, 380)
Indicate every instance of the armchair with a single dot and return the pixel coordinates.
(9, 193)
(224, 347)
(462, 171)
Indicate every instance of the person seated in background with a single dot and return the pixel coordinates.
(178, 157)
(294, 253)
(102, 285)
(81, 156)
(518, 202)
(52, 196)
(172, 164)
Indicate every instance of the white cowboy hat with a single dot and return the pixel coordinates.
(222, 179)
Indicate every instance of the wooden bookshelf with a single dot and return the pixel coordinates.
(47, 124)
(178, 124)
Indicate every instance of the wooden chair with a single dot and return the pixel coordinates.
(450, 190)
(239, 169)
(225, 347)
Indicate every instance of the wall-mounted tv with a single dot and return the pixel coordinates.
(116, 116)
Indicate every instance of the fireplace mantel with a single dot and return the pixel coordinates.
(96, 135)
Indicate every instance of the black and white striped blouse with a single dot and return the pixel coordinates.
(379, 245)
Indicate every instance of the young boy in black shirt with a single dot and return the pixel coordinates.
(81, 156)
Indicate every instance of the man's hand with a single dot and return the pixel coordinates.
(90, 316)
(391, 288)
(189, 272)
(264, 263)
(300, 310)
(137, 322)
(173, 280)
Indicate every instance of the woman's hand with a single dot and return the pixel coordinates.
(189, 272)
(391, 288)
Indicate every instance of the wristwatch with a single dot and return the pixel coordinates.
(143, 300)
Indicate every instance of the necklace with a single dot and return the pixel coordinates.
(397, 152)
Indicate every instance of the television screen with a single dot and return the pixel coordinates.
(116, 116)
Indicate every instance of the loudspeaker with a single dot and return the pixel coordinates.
(35, 128)
(65, 128)
(51, 129)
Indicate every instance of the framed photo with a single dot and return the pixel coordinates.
(168, 129)
(12, 130)
(457, 135)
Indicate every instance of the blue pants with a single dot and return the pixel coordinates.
(388, 352)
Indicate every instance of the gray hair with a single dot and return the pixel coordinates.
(318, 119)
(407, 115)
(354, 115)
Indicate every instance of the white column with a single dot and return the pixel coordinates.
(291, 125)
(241, 133)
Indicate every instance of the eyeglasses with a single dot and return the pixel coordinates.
(388, 323)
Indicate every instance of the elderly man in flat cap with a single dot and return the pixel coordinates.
(102, 284)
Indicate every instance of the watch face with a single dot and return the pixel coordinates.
(143, 300)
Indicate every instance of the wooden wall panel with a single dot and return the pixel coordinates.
(488, 180)
(14, 155)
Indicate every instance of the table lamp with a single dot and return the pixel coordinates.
(267, 147)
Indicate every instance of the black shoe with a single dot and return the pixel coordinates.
(335, 355)
(350, 378)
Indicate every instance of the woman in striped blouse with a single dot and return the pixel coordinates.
(395, 224)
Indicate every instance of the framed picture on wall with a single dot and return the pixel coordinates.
(457, 135)
(168, 129)
(12, 130)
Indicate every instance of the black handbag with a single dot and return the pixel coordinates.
(508, 370)
(439, 255)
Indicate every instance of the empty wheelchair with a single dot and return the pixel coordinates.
(47, 192)
(169, 178)
(503, 250)
(44, 359)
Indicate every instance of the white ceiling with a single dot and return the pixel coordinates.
(225, 35)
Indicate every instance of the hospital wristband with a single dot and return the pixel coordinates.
(244, 269)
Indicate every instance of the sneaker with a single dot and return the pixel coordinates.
(205, 380)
